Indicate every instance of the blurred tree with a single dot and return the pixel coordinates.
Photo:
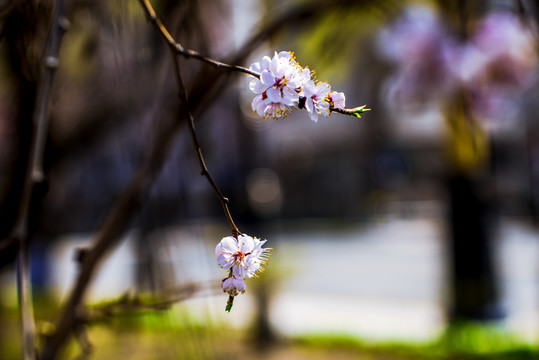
(475, 293)
(474, 288)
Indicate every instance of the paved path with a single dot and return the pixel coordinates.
(388, 280)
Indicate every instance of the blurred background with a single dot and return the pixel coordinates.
(416, 224)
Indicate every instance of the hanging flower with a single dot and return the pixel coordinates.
(243, 256)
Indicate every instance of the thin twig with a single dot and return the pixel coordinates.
(34, 177)
(351, 112)
(176, 48)
(188, 53)
(198, 151)
(140, 303)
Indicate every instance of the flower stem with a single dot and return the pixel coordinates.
(229, 303)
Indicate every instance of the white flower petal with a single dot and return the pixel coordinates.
(229, 244)
(255, 67)
(274, 64)
(262, 107)
(265, 63)
(267, 79)
(219, 249)
(256, 86)
(285, 55)
(309, 105)
(225, 261)
(314, 116)
(274, 95)
(321, 91)
(290, 97)
(256, 102)
(246, 243)
(338, 99)
(323, 107)
(309, 89)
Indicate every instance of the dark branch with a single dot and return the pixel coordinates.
(34, 177)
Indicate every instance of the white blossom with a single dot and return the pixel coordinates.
(283, 84)
(281, 80)
(244, 256)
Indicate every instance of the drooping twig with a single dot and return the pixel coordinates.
(176, 48)
(35, 176)
(198, 150)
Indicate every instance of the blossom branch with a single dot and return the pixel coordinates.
(177, 48)
(128, 201)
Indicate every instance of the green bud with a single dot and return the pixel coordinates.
(358, 110)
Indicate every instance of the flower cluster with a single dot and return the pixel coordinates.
(283, 84)
(243, 257)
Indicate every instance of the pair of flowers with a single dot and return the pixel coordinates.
(283, 84)
(243, 257)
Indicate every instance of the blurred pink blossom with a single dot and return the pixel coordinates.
(495, 65)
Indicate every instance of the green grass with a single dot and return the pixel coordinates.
(459, 341)
(175, 334)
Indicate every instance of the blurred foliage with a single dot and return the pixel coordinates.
(341, 35)
(468, 338)
(338, 36)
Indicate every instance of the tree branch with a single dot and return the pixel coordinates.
(139, 303)
(35, 176)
